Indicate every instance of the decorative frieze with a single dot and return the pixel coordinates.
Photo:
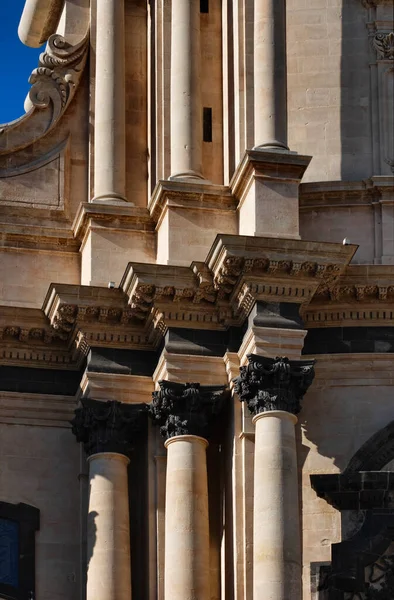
(107, 426)
(186, 408)
(267, 384)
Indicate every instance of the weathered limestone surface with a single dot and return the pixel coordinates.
(186, 527)
(276, 535)
(36, 465)
(329, 97)
(118, 129)
(108, 528)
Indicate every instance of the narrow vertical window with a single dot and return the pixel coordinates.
(9, 552)
(204, 6)
(207, 124)
(18, 526)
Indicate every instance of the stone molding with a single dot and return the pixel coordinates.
(186, 408)
(364, 293)
(201, 196)
(273, 166)
(54, 83)
(39, 410)
(107, 426)
(91, 214)
(129, 389)
(271, 384)
(375, 453)
(214, 294)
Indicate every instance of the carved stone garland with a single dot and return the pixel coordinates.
(186, 408)
(107, 426)
(267, 384)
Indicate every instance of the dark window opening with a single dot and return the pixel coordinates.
(207, 124)
(204, 6)
(9, 552)
(18, 526)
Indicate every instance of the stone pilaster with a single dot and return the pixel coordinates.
(273, 390)
(185, 413)
(106, 430)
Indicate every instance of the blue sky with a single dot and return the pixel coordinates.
(17, 61)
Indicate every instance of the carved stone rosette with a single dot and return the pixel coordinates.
(268, 384)
(186, 408)
(107, 426)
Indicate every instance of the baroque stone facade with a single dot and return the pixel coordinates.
(197, 233)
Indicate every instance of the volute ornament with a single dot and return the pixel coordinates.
(54, 83)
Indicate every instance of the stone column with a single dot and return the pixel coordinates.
(106, 429)
(110, 115)
(185, 413)
(273, 389)
(186, 109)
(270, 74)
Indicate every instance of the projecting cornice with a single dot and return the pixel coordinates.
(215, 294)
(364, 294)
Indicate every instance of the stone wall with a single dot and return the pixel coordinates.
(40, 466)
(328, 88)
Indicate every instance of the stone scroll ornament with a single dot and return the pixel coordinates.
(267, 384)
(54, 83)
(186, 408)
(108, 426)
(384, 45)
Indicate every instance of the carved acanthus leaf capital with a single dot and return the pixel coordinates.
(107, 426)
(267, 384)
(186, 408)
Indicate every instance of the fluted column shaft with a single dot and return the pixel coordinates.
(270, 74)
(186, 109)
(109, 118)
(186, 521)
(276, 528)
(108, 543)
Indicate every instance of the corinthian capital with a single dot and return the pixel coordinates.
(107, 426)
(384, 45)
(267, 384)
(186, 408)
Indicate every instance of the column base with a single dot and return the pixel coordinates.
(111, 199)
(274, 146)
(188, 176)
(281, 414)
